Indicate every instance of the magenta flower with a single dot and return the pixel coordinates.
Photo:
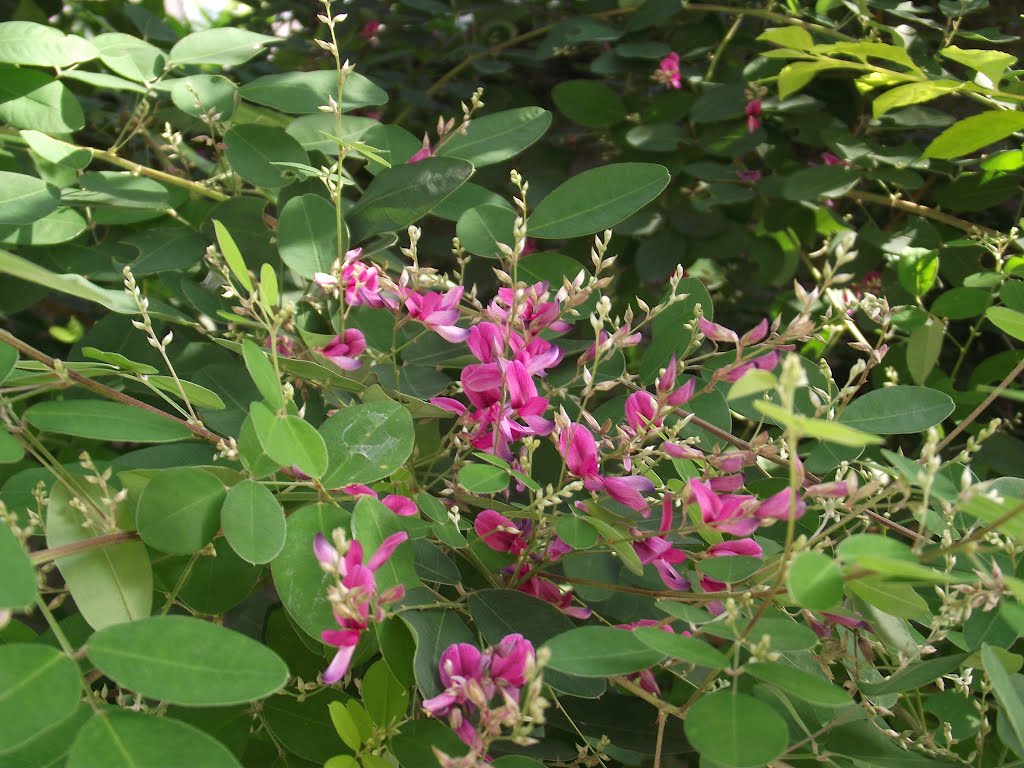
(668, 73)
(355, 593)
(400, 505)
(749, 176)
(766, 362)
(579, 451)
(744, 547)
(729, 513)
(439, 312)
(499, 533)
(370, 31)
(753, 112)
(361, 282)
(533, 312)
(424, 152)
(641, 408)
(620, 340)
(834, 490)
(718, 333)
(660, 552)
(778, 506)
(829, 159)
(549, 592)
(344, 350)
(666, 387)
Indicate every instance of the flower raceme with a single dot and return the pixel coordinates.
(354, 598)
(579, 451)
(345, 348)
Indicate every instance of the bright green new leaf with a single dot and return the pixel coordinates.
(56, 151)
(912, 93)
(992, 64)
(1009, 321)
(385, 698)
(345, 725)
(129, 56)
(289, 440)
(794, 37)
(187, 661)
(973, 133)
(41, 45)
(34, 100)
(232, 255)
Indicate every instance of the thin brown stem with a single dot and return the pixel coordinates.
(111, 394)
(1018, 369)
(77, 547)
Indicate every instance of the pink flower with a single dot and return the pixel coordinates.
(400, 505)
(666, 387)
(724, 512)
(753, 112)
(549, 592)
(361, 282)
(620, 339)
(829, 159)
(748, 176)
(641, 408)
(718, 333)
(370, 31)
(439, 312)
(741, 547)
(668, 73)
(766, 362)
(343, 350)
(499, 533)
(579, 451)
(833, 490)
(424, 152)
(358, 589)
(509, 660)
(533, 311)
(778, 506)
(660, 552)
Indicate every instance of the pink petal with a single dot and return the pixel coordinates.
(386, 549)
(400, 505)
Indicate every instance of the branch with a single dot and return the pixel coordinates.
(153, 173)
(76, 547)
(111, 394)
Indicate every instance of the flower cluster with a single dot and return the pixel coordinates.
(490, 691)
(354, 598)
(667, 73)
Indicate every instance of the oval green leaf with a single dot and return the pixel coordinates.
(101, 420)
(253, 522)
(366, 442)
(39, 687)
(179, 511)
(17, 576)
(24, 199)
(307, 237)
(589, 102)
(802, 685)
(597, 199)
(815, 581)
(227, 46)
(600, 652)
(123, 739)
(688, 649)
(252, 150)
(494, 138)
(736, 730)
(187, 661)
(898, 410)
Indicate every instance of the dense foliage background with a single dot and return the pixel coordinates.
(565, 384)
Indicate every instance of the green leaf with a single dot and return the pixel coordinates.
(819, 181)
(50, 747)
(895, 599)
(796, 38)
(38, 45)
(785, 634)
(923, 349)
(8, 359)
(385, 698)
(1006, 692)
(110, 584)
(290, 440)
(576, 532)
(227, 46)
(366, 442)
(973, 133)
(483, 478)
(434, 631)
(253, 522)
(898, 410)
(829, 431)
(597, 199)
(56, 151)
(252, 150)
(736, 730)
(62, 225)
(303, 93)
(298, 578)
(121, 739)
(201, 95)
(372, 523)
(917, 270)
(34, 100)
(815, 581)
(867, 50)
(11, 451)
(481, 229)
(39, 687)
(232, 255)
(730, 570)
(401, 195)
(1009, 321)
(497, 137)
(102, 420)
(912, 93)
(600, 652)
(307, 237)
(794, 77)
(621, 540)
(913, 676)
(992, 64)
(800, 684)
(197, 395)
(24, 199)
(961, 303)
(345, 725)
(188, 661)
(263, 374)
(589, 102)
(501, 612)
(688, 649)
(669, 336)
(304, 728)
(129, 56)
(179, 511)
(17, 576)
